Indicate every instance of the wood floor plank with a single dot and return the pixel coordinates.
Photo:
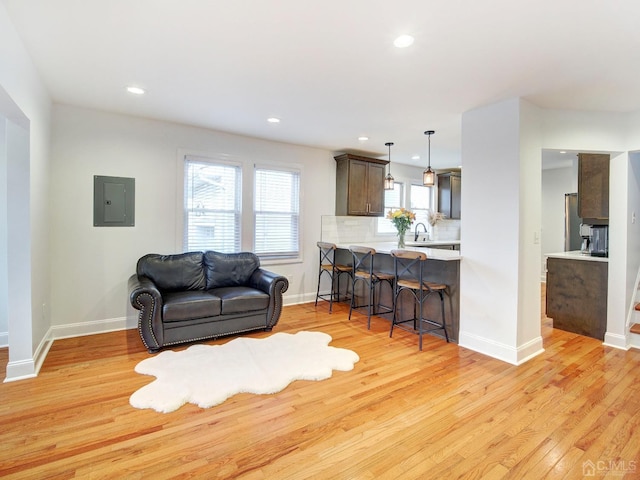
(444, 412)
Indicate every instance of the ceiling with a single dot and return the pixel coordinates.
(328, 69)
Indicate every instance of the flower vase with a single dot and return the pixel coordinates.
(401, 243)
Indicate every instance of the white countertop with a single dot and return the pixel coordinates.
(426, 243)
(432, 253)
(576, 255)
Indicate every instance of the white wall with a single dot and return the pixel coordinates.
(633, 228)
(4, 260)
(586, 131)
(18, 240)
(529, 339)
(618, 291)
(633, 237)
(91, 265)
(25, 103)
(496, 275)
(556, 182)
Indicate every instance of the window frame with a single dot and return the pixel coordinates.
(238, 210)
(414, 209)
(246, 165)
(296, 253)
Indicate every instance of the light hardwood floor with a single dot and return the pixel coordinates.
(445, 412)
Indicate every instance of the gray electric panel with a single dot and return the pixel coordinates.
(113, 201)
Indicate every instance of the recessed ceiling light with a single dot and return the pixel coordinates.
(273, 120)
(403, 41)
(563, 151)
(363, 138)
(136, 90)
(415, 157)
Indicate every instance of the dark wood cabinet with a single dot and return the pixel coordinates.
(449, 194)
(593, 188)
(577, 296)
(360, 185)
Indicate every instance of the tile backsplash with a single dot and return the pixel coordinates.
(446, 230)
(350, 229)
(347, 230)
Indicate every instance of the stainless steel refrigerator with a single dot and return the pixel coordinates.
(572, 237)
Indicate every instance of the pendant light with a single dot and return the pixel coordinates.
(429, 176)
(388, 180)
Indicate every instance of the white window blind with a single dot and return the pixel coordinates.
(277, 213)
(212, 206)
(420, 203)
(392, 201)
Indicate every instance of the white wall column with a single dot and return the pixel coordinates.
(619, 292)
(18, 250)
(501, 198)
(4, 269)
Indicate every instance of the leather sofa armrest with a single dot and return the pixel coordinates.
(266, 281)
(139, 285)
(273, 284)
(145, 296)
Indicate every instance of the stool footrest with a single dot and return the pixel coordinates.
(438, 326)
(385, 309)
(336, 298)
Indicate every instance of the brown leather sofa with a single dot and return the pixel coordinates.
(195, 296)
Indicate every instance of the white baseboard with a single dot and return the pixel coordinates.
(634, 340)
(29, 367)
(20, 370)
(42, 350)
(499, 351)
(531, 349)
(616, 341)
(4, 339)
(94, 327)
(298, 299)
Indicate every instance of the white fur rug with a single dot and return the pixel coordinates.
(206, 375)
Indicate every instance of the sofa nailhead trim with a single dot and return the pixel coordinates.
(215, 337)
(140, 320)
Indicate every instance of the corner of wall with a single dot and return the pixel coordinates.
(29, 368)
(500, 351)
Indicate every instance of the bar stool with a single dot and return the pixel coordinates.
(363, 272)
(333, 270)
(410, 268)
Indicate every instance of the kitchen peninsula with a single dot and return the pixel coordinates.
(443, 267)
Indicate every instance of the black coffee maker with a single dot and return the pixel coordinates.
(599, 242)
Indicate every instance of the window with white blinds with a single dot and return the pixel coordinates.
(420, 203)
(393, 199)
(276, 213)
(212, 206)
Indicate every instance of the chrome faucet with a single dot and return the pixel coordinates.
(415, 239)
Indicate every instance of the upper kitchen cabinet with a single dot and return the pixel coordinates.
(593, 188)
(360, 185)
(449, 194)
